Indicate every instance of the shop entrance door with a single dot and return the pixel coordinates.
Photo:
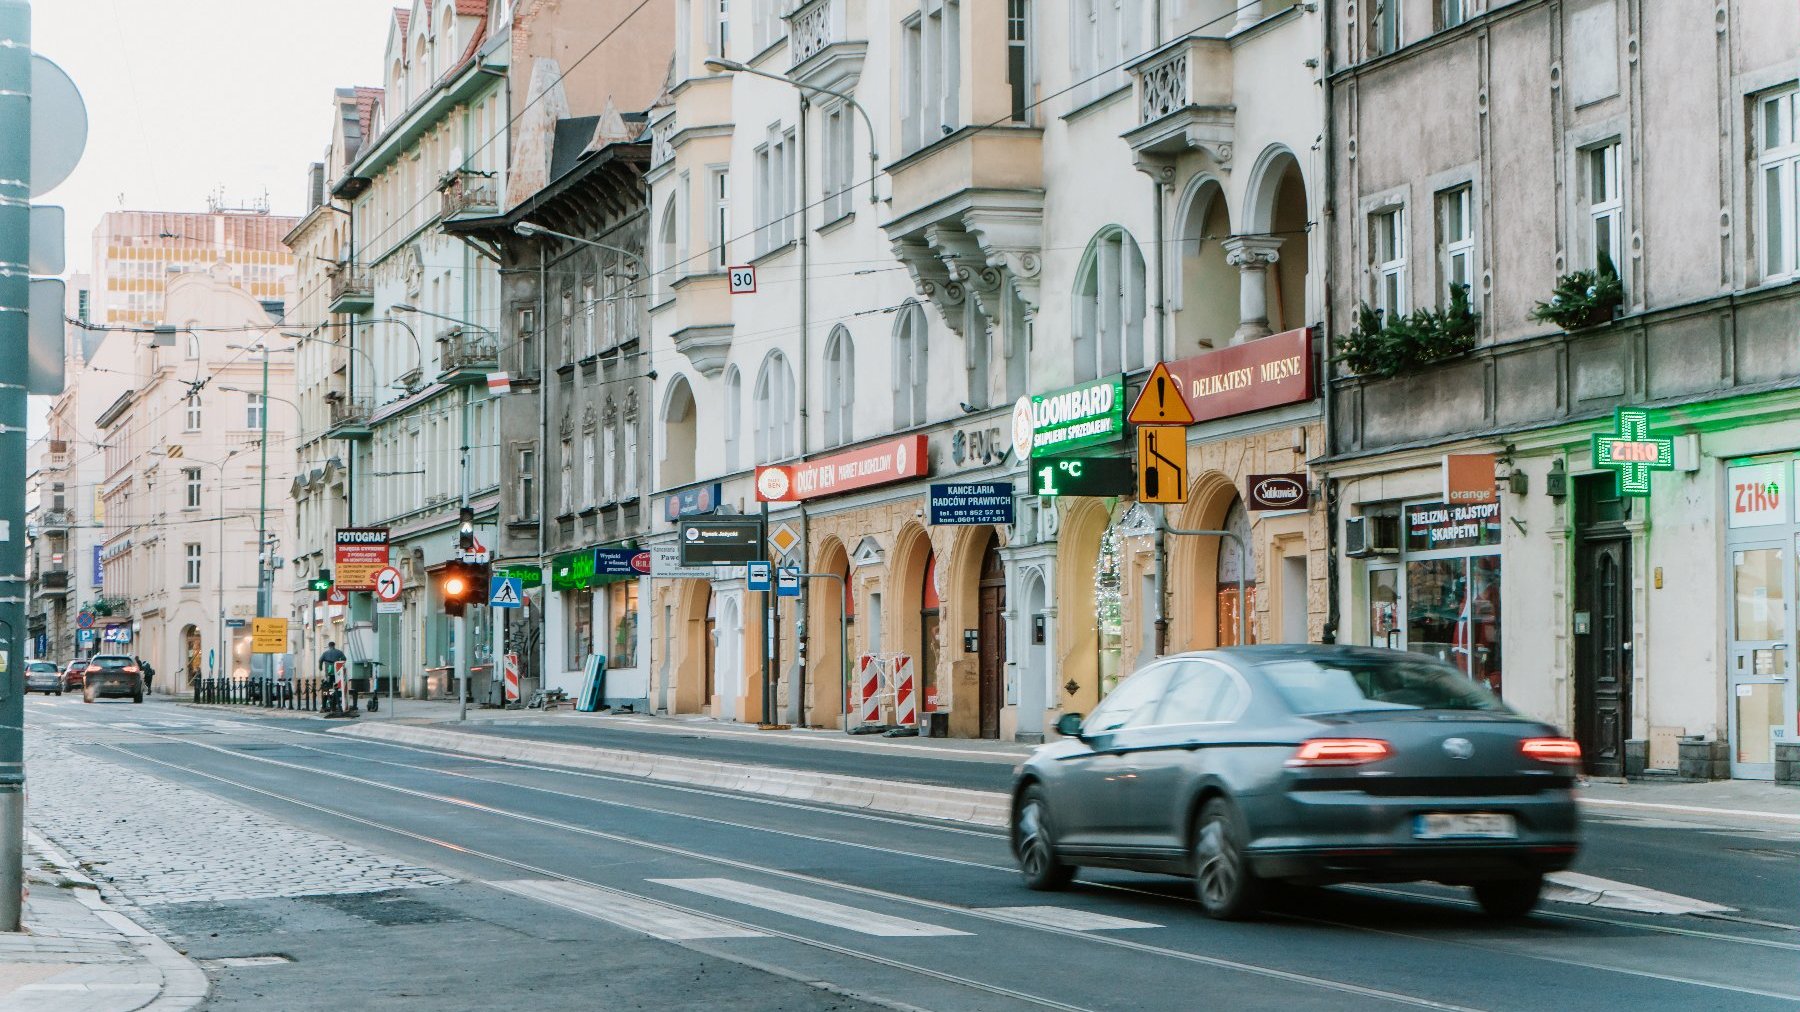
(1761, 668)
(992, 640)
(1603, 652)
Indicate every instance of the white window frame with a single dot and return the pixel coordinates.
(194, 561)
(628, 486)
(912, 366)
(734, 419)
(590, 466)
(1456, 248)
(567, 492)
(774, 401)
(590, 312)
(1778, 182)
(1110, 306)
(912, 83)
(609, 458)
(1019, 39)
(1387, 29)
(835, 170)
(565, 350)
(191, 478)
(1451, 13)
(1605, 200)
(769, 27)
(255, 411)
(1391, 290)
(840, 388)
(527, 482)
(196, 418)
(719, 35)
(719, 220)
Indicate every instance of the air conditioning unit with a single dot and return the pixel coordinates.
(1371, 534)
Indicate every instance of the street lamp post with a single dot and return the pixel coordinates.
(262, 507)
(734, 67)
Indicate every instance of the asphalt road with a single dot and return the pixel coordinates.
(581, 890)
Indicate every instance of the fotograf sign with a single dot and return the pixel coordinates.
(986, 502)
(361, 553)
(1086, 414)
(1276, 491)
(1264, 373)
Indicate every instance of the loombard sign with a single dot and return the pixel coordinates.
(1086, 414)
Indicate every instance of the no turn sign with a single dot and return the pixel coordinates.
(387, 584)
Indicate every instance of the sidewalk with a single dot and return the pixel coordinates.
(78, 954)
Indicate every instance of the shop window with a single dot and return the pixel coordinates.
(1453, 598)
(1109, 611)
(929, 620)
(622, 625)
(579, 612)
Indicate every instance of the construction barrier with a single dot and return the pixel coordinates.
(906, 695)
(512, 678)
(869, 689)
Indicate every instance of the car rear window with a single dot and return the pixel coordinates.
(1349, 684)
(112, 662)
(41, 666)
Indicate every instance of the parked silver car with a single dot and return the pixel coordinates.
(1305, 764)
(43, 676)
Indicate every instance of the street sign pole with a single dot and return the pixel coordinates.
(15, 358)
(768, 652)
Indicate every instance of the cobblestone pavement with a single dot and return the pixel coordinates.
(157, 842)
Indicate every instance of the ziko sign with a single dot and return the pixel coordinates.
(1264, 373)
(1086, 414)
(880, 464)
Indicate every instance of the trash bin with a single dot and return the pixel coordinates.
(937, 725)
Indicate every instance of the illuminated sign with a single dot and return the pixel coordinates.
(1089, 476)
(1632, 452)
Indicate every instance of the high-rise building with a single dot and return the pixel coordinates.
(137, 254)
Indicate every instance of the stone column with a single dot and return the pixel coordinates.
(1252, 255)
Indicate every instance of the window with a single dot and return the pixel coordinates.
(775, 191)
(1456, 240)
(629, 484)
(1452, 13)
(622, 625)
(1363, 684)
(734, 419)
(567, 498)
(840, 388)
(1105, 34)
(527, 501)
(1202, 693)
(1132, 704)
(528, 346)
(774, 409)
(1385, 32)
(590, 307)
(580, 618)
(1109, 306)
(668, 252)
(1778, 167)
(911, 366)
(255, 411)
(609, 458)
(194, 417)
(1018, 58)
(613, 307)
(565, 345)
(590, 472)
(193, 565)
(912, 82)
(720, 222)
(1606, 208)
(1387, 243)
(721, 34)
(767, 29)
(191, 478)
(193, 346)
(836, 170)
(931, 64)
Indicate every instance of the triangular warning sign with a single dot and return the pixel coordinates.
(505, 593)
(1161, 402)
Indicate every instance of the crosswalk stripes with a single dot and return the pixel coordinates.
(629, 912)
(867, 922)
(1067, 917)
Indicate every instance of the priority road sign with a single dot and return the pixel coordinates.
(1162, 464)
(1161, 402)
(505, 592)
(783, 539)
(388, 584)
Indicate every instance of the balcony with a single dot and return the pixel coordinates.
(54, 522)
(1183, 93)
(112, 607)
(467, 193)
(465, 358)
(350, 416)
(51, 583)
(820, 37)
(351, 291)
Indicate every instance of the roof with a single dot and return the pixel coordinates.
(366, 100)
(404, 17)
(472, 8)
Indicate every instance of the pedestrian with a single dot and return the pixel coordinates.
(328, 664)
(149, 674)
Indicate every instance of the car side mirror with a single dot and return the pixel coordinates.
(1069, 725)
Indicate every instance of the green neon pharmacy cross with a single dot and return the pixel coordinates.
(1632, 452)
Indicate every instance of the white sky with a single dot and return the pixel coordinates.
(186, 96)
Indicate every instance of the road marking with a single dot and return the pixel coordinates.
(863, 921)
(1067, 917)
(811, 738)
(1656, 806)
(632, 913)
(1574, 887)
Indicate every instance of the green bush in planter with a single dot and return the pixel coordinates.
(1392, 345)
(1584, 298)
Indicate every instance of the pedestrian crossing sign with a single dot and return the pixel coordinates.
(505, 592)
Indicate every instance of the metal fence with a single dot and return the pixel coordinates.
(306, 694)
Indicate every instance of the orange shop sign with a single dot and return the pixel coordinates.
(880, 464)
(1469, 479)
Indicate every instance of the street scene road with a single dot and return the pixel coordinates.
(307, 869)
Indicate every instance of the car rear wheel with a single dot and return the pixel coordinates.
(1223, 882)
(1034, 842)
(1509, 898)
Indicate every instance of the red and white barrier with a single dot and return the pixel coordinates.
(512, 678)
(906, 694)
(868, 681)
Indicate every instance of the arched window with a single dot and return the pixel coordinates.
(668, 252)
(911, 366)
(1109, 306)
(680, 441)
(774, 409)
(193, 346)
(733, 422)
(1231, 561)
(840, 387)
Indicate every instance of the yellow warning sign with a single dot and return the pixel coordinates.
(1162, 464)
(1161, 402)
(268, 636)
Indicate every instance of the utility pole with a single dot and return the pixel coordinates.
(15, 297)
(264, 563)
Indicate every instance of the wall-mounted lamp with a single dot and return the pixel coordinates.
(1556, 483)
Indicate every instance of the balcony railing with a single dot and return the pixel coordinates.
(813, 26)
(351, 290)
(349, 415)
(466, 357)
(468, 192)
(112, 607)
(51, 582)
(54, 521)
(662, 136)
(1185, 100)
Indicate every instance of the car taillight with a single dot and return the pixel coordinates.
(1340, 752)
(1563, 751)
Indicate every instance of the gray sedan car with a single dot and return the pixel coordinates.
(1304, 764)
(43, 676)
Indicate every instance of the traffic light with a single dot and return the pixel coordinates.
(321, 584)
(461, 584)
(465, 531)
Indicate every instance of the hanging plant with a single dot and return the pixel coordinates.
(1384, 345)
(1584, 298)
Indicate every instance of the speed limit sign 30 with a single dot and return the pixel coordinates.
(743, 280)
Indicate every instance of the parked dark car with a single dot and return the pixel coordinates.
(1303, 764)
(113, 676)
(43, 676)
(75, 675)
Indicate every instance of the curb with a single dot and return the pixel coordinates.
(949, 804)
(184, 985)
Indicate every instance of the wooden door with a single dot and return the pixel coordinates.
(1603, 653)
(992, 641)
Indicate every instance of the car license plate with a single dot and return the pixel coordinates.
(1464, 826)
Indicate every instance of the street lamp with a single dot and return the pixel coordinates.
(402, 307)
(734, 67)
(262, 508)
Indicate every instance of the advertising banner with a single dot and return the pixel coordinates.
(895, 460)
(1086, 414)
(1252, 376)
(361, 553)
